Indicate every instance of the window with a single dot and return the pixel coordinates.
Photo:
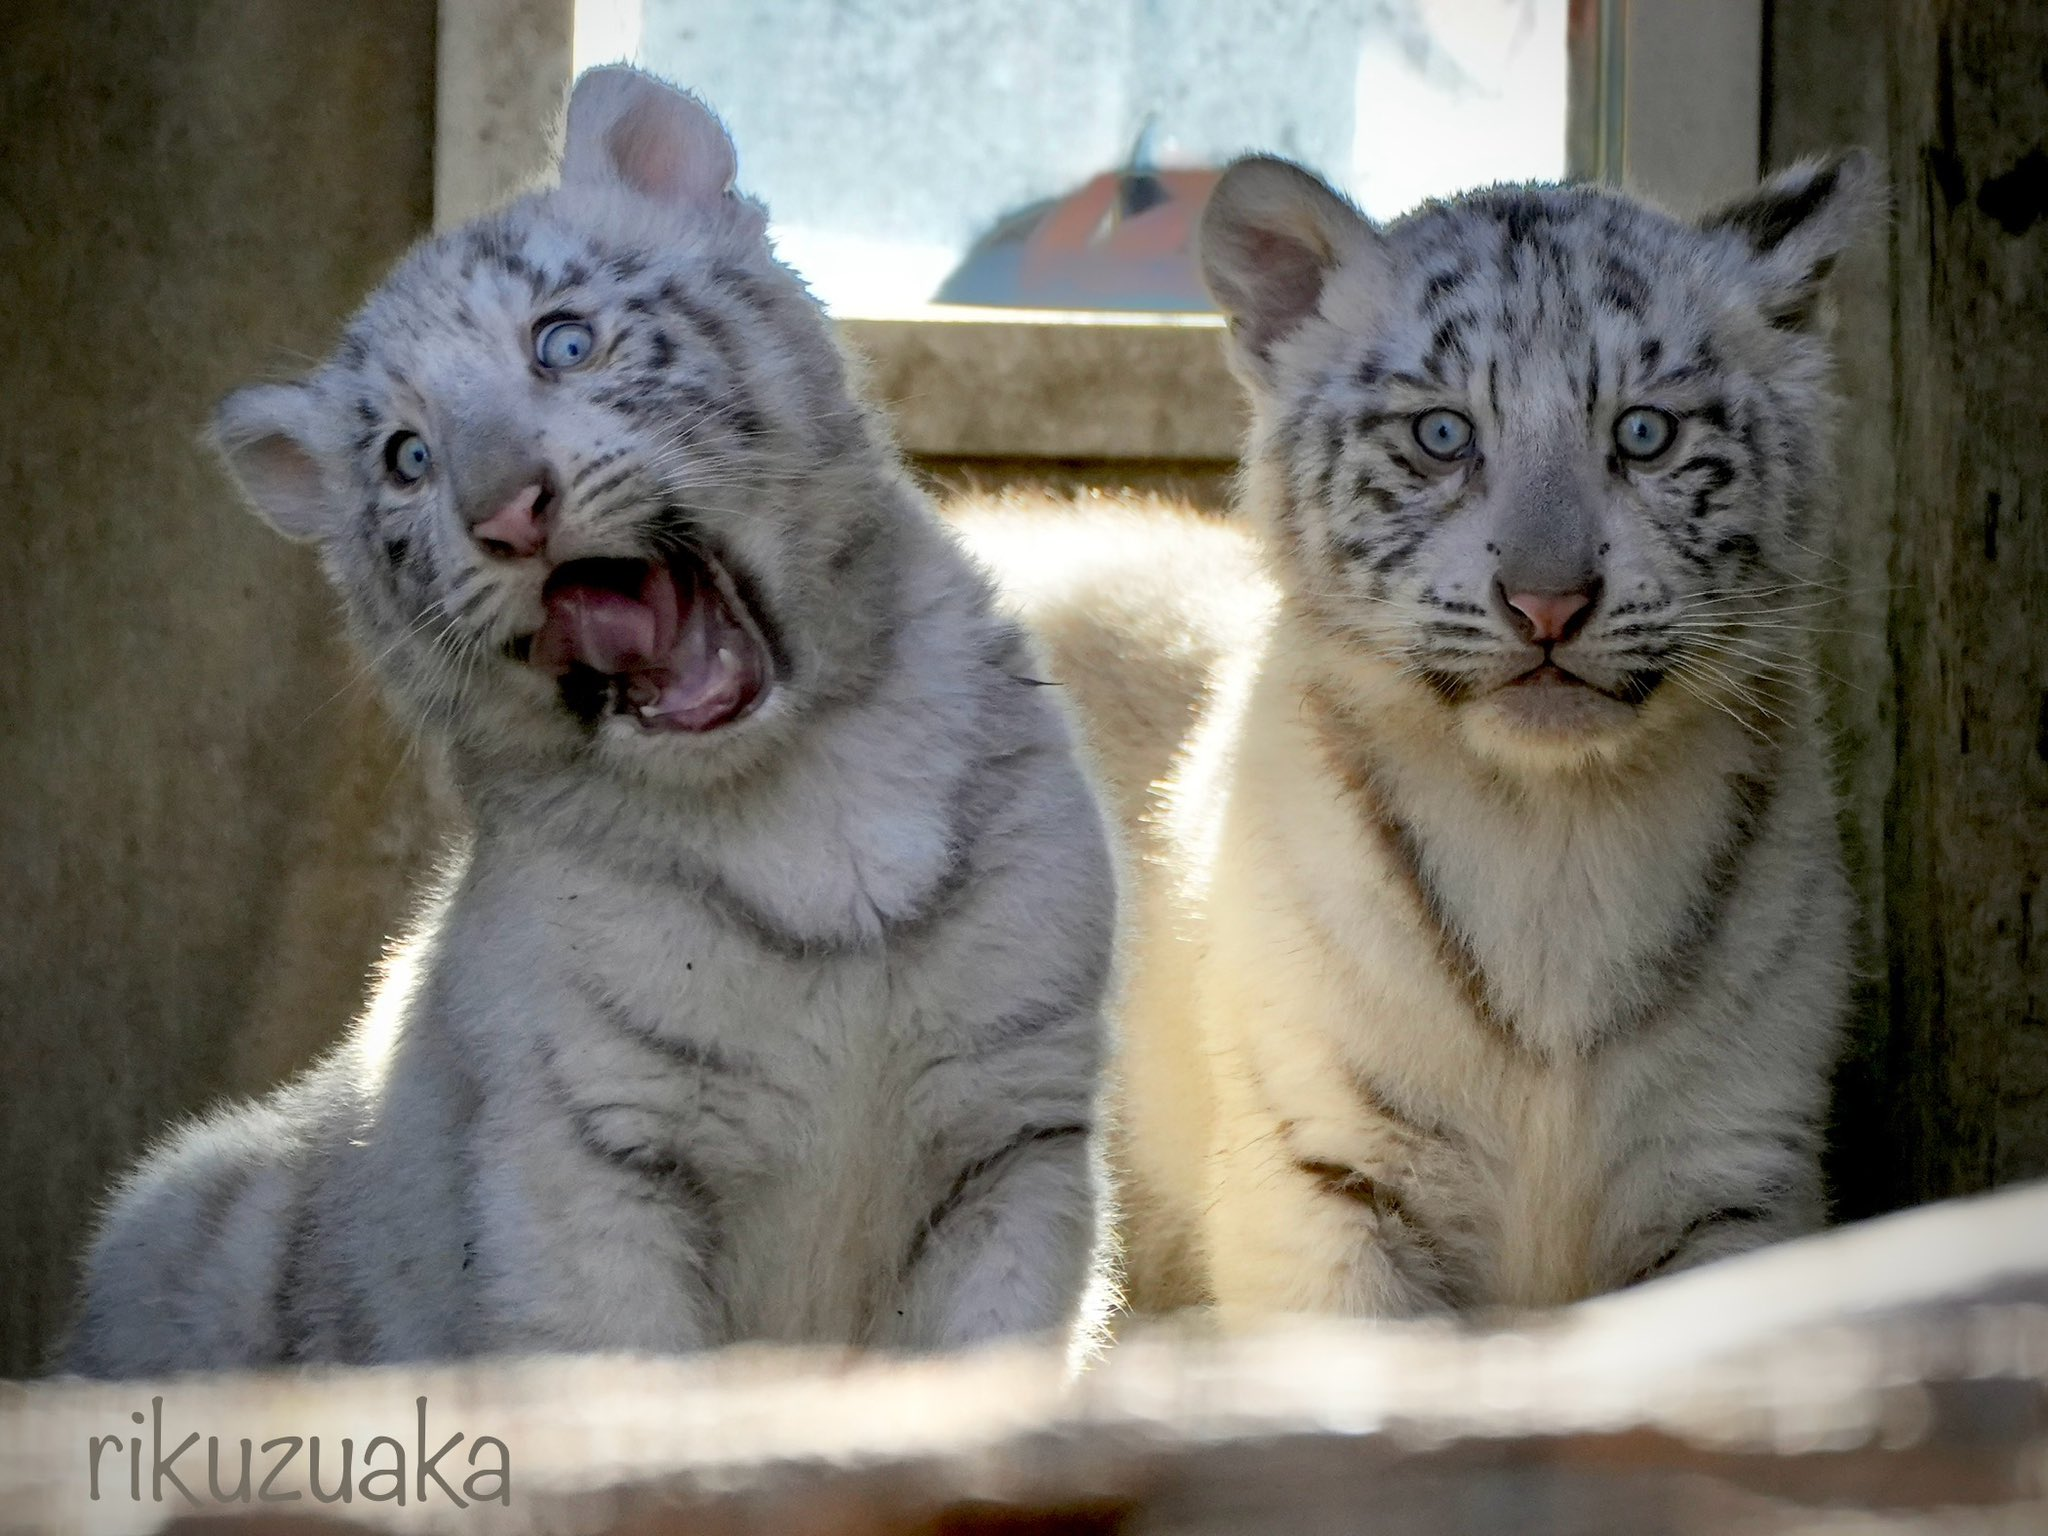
(892, 139)
(995, 200)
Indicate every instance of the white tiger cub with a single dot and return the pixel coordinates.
(1496, 935)
(767, 1002)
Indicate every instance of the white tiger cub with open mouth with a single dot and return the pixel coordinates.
(1495, 937)
(767, 1000)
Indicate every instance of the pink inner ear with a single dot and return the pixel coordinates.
(1275, 284)
(663, 149)
(1290, 272)
(281, 478)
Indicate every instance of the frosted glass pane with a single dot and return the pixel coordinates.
(888, 137)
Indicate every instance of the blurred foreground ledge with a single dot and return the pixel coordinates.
(1887, 1378)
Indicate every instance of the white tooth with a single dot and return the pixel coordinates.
(724, 657)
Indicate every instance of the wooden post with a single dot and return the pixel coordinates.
(1942, 702)
(1969, 633)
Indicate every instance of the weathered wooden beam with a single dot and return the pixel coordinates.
(1891, 1377)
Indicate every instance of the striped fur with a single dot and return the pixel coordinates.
(1454, 991)
(791, 1030)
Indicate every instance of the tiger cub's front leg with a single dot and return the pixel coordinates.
(1308, 1217)
(1010, 1247)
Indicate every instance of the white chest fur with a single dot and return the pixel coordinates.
(1531, 1041)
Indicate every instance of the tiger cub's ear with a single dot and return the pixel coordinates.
(265, 435)
(1795, 227)
(1271, 236)
(627, 128)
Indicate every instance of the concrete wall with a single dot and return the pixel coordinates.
(191, 195)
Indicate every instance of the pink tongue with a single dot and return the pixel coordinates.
(609, 631)
(686, 661)
(713, 674)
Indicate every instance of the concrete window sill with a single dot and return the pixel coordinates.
(999, 384)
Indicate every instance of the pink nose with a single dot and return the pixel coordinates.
(1550, 614)
(517, 528)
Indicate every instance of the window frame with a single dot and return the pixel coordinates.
(1665, 98)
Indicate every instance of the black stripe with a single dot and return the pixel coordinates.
(1394, 1220)
(716, 333)
(1400, 548)
(1335, 436)
(1376, 497)
(1713, 412)
(1442, 284)
(1377, 1101)
(1719, 473)
(977, 800)
(1078, 1002)
(937, 900)
(1408, 467)
(1701, 1227)
(1404, 855)
(1678, 965)
(1360, 1188)
(1768, 218)
(219, 1199)
(1623, 288)
(287, 1296)
(355, 1336)
(750, 288)
(607, 485)
(982, 1172)
(1447, 341)
(664, 1166)
(593, 466)
(658, 1160)
(698, 1055)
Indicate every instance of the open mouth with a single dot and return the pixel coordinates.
(670, 642)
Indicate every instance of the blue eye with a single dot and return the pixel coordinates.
(1444, 434)
(406, 457)
(1644, 432)
(563, 344)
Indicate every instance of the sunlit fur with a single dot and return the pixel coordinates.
(788, 1030)
(1445, 994)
